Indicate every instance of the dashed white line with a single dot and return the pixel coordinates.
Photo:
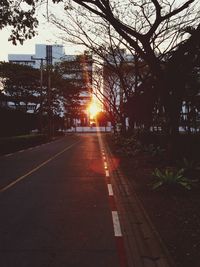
(105, 165)
(107, 173)
(110, 190)
(116, 224)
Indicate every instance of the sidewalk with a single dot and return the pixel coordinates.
(143, 244)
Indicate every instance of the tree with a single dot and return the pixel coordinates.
(108, 57)
(144, 26)
(76, 74)
(20, 15)
(20, 85)
(21, 88)
(182, 70)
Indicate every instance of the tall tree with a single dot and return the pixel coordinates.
(20, 15)
(144, 26)
(76, 74)
(20, 85)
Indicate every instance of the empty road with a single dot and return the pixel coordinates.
(54, 206)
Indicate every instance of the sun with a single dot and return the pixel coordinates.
(93, 109)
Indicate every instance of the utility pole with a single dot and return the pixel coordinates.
(41, 90)
(49, 59)
(50, 113)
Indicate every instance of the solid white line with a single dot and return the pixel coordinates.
(110, 190)
(107, 173)
(116, 224)
(21, 151)
(35, 169)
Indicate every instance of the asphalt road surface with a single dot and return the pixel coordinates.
(54, 208)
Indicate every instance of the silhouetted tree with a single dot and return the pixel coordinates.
(20, 15)
(20, 85)
(145, 26)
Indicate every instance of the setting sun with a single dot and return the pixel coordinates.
(93, 109)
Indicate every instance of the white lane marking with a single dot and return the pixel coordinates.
(104, 158)
(110, 190)
(107, 173)
(116, 224)
(37, 168)
(21, 151)
(105, 165)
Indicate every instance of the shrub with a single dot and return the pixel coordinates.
(170, 178)
(128, 146)
(188, 165)
(154, 150)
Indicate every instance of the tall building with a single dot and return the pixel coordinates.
(50, 54)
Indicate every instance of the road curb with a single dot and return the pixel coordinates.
(143, 243)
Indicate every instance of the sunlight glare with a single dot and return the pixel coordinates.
(93, 109)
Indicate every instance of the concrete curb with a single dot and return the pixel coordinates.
(143, 243)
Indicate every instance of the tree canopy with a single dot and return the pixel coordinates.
(20, 15)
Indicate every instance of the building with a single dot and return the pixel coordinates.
(76, 69)
(51, 54)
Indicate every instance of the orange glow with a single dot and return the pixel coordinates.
(93, 109)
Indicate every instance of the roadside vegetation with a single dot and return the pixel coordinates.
(15, 143)
(168, 188)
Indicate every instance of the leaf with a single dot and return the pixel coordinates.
(157, 184)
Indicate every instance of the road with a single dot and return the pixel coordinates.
(54, 206)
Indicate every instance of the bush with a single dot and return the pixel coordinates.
(170, 178)
(128, 146)
(154, 150)
(15, 122)
(11, 144)
(188, 164)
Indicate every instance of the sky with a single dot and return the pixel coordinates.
(47, 34)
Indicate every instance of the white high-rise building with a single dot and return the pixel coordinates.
(50, 54)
